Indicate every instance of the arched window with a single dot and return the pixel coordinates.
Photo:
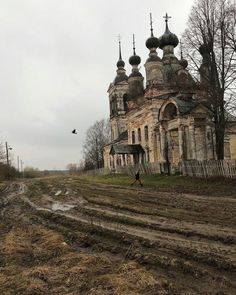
(139, 134)
(114, 105)
(170, 112)
(125, 101)
(133, 136)
(146, 133)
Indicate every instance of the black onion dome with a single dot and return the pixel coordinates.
(168, 39)
(183, 62)
(120, 63)
(152, 42)
(134, 60)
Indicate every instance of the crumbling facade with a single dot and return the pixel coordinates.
(168, 119)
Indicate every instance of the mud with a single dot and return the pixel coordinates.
(187, 241)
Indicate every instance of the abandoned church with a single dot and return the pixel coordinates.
(168, 119)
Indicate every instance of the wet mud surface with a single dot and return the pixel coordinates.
(143, 241)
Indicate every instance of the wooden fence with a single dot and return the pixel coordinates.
(145, 168)
(93, 172)
(209, 168)
(205, 168)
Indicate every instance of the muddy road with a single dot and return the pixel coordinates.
(68, 236)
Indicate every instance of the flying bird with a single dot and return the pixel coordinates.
(74, 131)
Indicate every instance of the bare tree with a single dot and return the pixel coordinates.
(31, 172)
(3, 166)
(97, 136)
(210, 41)
(72, 167)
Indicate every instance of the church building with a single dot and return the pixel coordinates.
(166, 120)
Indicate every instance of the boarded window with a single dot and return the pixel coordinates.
(146, 133)
(139, 134)
(125, 101)
(133, 136)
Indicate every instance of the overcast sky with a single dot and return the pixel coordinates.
(57, 58)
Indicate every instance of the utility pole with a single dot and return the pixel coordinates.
(7, 154)
(18, 164)
(8, 164)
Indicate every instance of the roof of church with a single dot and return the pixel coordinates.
(120, 78)
(170, 71)
(126, 149)
(185, 106)
(122, 137)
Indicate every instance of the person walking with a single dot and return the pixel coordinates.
(137, 178)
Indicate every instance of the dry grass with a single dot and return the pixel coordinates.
(136, 277)
(37, 261)
(25, 245)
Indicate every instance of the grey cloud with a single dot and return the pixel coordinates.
(57, 60)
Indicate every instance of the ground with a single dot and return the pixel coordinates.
(100, 236)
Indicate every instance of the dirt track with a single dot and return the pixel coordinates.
(185, 242)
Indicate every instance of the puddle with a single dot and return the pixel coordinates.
(57, 193)
(81, 200)
(62, 207)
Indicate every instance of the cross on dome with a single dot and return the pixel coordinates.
(151, 24)
(120, 63)
(166, 17)
(134, 44)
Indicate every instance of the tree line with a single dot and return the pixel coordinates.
(7, 171)
(97, 136)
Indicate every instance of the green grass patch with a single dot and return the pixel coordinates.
(2, 185)
(175, 183)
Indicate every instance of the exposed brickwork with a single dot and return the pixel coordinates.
(171, 109)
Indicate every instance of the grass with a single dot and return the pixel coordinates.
(173, 183)
(176, 183)
(37, 261)
(2, 185)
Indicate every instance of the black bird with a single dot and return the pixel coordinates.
(74, 131)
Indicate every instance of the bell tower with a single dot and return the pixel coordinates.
(118, 93)
(153, 65)
(135, 78)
